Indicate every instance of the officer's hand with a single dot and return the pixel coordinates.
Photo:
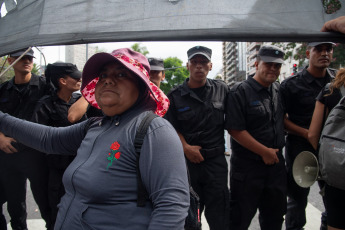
(270, 157)
(5, 144)
(193, 154)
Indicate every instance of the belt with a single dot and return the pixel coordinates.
(253, 156)
(211, 153)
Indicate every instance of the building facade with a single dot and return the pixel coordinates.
(79, 54)
(234, 62)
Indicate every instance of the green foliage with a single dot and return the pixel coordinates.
(139, 48)
(174, 76)
(9, 74)
(36, 69)
(219, 77)
(338, 56)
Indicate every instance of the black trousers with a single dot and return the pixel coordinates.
(57, 165)
(297, 196)
(254, 185)
(3, 224)
(209, 180)
(19, 167)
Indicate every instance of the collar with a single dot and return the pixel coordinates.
(256, 85)
(186, 90)
(310, 78)
(147, 104)
(34, 81)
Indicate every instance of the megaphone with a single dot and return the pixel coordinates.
(305, 169)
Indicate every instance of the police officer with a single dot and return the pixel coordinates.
(18, 98)
(52, 110)
(298, 96)
(256, 125)
(197, 113)
(157, 73)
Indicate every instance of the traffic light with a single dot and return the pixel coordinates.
(294, 68)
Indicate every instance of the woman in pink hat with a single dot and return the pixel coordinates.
(101, 183)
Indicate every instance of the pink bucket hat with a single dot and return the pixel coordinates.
(133, 61)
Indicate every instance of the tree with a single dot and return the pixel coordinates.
(36, 69)
(3, 65)
(139, 48)
(338, 56)
(175, 73)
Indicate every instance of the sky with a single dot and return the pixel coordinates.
(156, 49)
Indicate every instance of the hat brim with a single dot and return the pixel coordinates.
(199, 53)
(157, 68)
(94, 65)
(272, 59)
(90, 78)
(18, 54)
(75, 74)
(313, 44)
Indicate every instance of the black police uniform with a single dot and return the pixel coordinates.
(53, 111)
(198, 114)
(298, 97)
(253, 184)
(3, 223)
(20, 101)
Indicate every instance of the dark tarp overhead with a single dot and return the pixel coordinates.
(63, 22)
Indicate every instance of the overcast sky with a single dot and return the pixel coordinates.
(156, 49)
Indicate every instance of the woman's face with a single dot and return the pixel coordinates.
(117, 89)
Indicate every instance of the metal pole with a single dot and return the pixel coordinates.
(87, 52)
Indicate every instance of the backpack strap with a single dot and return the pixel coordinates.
(138, 142)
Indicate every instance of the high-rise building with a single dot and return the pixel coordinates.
(234, 62)
(252, 51)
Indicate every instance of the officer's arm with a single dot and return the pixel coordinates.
(294, 129)
(192, 152)
(77, 110)
(268, 155)
(316, 124)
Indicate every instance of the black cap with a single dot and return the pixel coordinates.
(58, 70)
(313, 44)
(20, 52)
(202, 50)
(156, 64)
(269, 53)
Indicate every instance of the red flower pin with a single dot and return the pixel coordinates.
(114, 154)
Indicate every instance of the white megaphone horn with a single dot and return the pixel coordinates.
(305, 169)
